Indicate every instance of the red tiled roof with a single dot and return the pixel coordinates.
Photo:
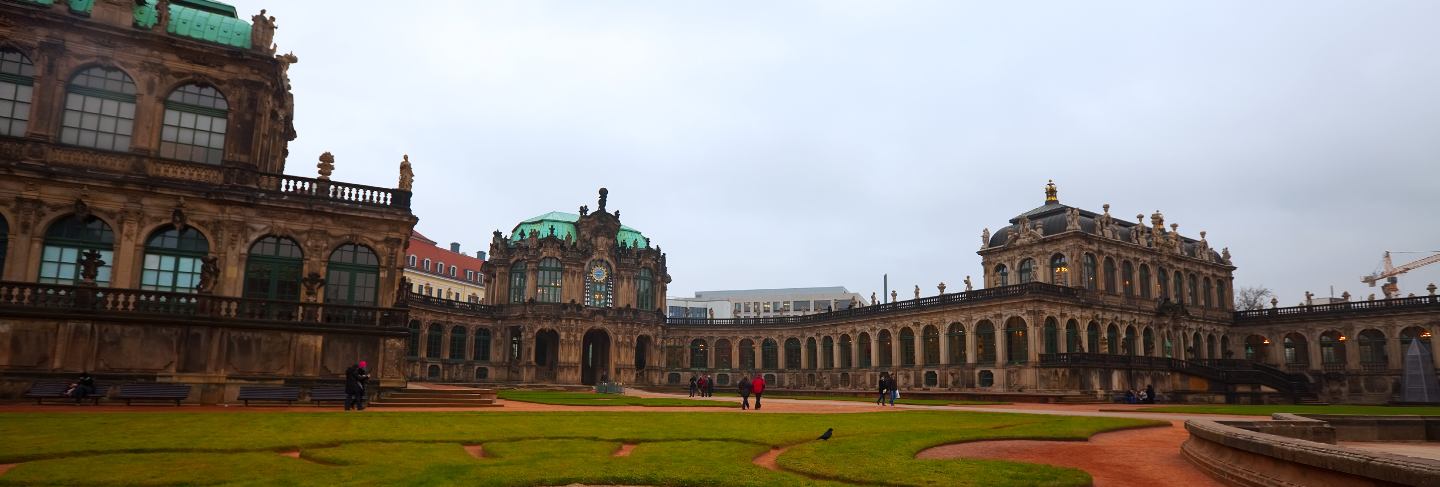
(424, 248)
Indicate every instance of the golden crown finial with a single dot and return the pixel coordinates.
(1051, 195)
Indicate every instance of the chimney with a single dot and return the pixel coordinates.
(455, 247)
(480, 254)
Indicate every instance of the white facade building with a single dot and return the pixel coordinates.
(753, 303)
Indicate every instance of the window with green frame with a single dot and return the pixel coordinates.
(99, 110)
(517, 282)
(645, 290)
(194, 125)
(272, 269)
(352, 276)
(17, 87)
(547, 282)
(482, 345)
(173, 259)
(66, 239)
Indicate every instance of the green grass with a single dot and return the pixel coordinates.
(594, 399)
(902, 400)
(1268, 409)
(522, 449)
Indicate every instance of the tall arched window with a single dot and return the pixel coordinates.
(547, 282)
(792, 353)
(907, 347)
(1073, 339)
(1110, 275)
(1162, 281)
(862, 350)
(985, 343)
(955, 335)
(1087, 271)
(599, 285)
(173, 259)
(434, 336)
(1221, 300)
(1257, 348)
(827, 353)
(1149, 337)
(412, 345)
(99, 110)
(811, 351)
(1332, 349)
(1372, 348)
(846, 345)
(1027, 271)
(1017, 346)
(457, 343)
(1127, 278)
(1206, 293)
(517, 282)
(722, 354)
(1059, 270)
(1145, 281)
(1052, 336)
(353, 276)
(66, 240)
(1192, 283)
(699, 356)
(769, 354)
(1297, 352)
(931, 345)
(1002, 275)
(272, 269)
(747, 354)
(194, 125)
(17, 82)
(482, 345)
(1179, 287)
(1128, 346)
(1112, 339)
(1092, 338)
(645, 290)
(886, 346)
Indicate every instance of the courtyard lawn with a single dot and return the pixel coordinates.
(1268, 409)
(902, 400)
(561, 398)
(523, 449)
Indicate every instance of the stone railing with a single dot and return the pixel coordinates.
(1222, 371)
(922, 304)
(1349, 308)
(101, 302)
(342, 192)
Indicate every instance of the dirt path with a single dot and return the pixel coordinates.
(1139, 457)
(768, 459)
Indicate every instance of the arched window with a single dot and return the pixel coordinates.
(194, 125)
(811, 352)
(699, 357)
(769, 354)
(412, 345)
(792, 353)
(846, 346)
(1092, 338)
(599, 285)
(1179, 287)
(722, 354)
(1087, 271)
(1194, 290)
(1127, 278)
(1210, 346)
(932, 345)
(1332, 349)
(440, 267)
(863, 351)
(1017, 346)
(907, 347)
(17, 81)
(482, 345)
(410, 261)
(66, 240)
(1412, 333)
(985, 343)
(1073, 338)
(1221, 300)
(1052, 336)
(642, 352)
(827, 353)
(956, 337)
(1256, 348)
(452, 271)
(547, 284)
(1002, 275)
(1145, 281)
(747, 354)
(1206, 293)
(645, 290)
(885, 345)
(1110, 275)
(1149, 338)
(457, 343)
(1225, 347)
(426, 266)
(272, 269)
(1162, 279)
(99, 110)
(1372, 348)
(1059, 270)
(1296, 352)
(1192, 352)
(434, 336)
(173, 259)
(1128, 346)
(1027, 271)
(353, 276)
(517, 282)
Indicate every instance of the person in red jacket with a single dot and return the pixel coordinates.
(757, 386)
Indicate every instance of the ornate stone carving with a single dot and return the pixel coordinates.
(326, 165)
(1072, 220)
(941, 287)
(90, 264)
(312, 283)
(968, 285)
(209, 274)
(917, 291)
(407, 174)
(600, 207)
(262, 32)
(178, 218)
(985, 238)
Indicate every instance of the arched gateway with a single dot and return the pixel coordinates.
(595, 357)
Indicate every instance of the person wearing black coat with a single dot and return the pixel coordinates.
(884, 389)
(744, 388)
(355, 380)
(1150, 394)
(83, 387)
(694, 382)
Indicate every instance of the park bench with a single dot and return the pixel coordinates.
(327, 394)
(265, 393)
(153, 392)
(42, 390)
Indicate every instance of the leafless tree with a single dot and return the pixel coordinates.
(1253, 297)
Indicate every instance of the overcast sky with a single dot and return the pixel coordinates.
(828, 142)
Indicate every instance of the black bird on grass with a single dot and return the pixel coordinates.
(826, 436)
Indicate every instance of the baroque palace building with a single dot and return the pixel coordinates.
(147, 229)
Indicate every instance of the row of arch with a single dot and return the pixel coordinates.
(1124, 279)
(464, 343)
(173, 261)
(1373, 348)
(100, 111)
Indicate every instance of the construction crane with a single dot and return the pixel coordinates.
(1391, 288)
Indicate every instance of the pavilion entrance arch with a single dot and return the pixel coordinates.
(595, 357)
(547, 355)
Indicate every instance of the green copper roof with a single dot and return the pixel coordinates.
(199, 19)
(564, 223)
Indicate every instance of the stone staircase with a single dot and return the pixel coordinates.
(450, 397)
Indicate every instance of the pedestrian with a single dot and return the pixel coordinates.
(757, 386)
(693, 382)
(700, 386)
(894, 391)
(355, 379)
(884, 389)
(709, 386)
(1150, 394)
(83, 387)
(744, 388)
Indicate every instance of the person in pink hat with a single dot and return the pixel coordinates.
(356, 378)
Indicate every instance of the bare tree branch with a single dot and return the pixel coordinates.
(1252, 297)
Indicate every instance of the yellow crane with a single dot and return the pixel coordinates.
(1391, 288)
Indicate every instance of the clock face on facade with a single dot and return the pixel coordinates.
(598, 274)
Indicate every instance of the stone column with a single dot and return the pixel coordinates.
(970, 358)
(1394, 353)
(735, 353)
(1002, 356)
(945, 346)
(1312, 350)
(874, 349)
(1036, 342)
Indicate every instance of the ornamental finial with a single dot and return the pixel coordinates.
(1051, 194)
(603, 194)
(407, 174)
